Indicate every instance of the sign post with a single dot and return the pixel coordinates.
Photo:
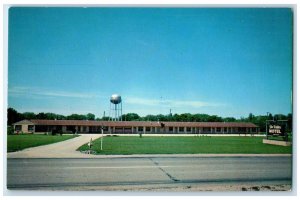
(101, 137)
(90, 144)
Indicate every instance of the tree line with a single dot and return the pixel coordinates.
(14, 116)
(259, 120)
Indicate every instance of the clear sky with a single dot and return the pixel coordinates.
(227, 62)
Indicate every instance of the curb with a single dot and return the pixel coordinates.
(90, 156)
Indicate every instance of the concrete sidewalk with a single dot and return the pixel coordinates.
(64, 149)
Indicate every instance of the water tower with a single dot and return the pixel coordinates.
(115, 112)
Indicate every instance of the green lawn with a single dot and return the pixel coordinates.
(19, 142)
(185, 145)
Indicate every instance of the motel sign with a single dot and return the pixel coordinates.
(275, 130)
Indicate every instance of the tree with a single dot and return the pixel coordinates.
(260, 121)
(201, 117)
(60, 117)
(161, 117)
(270, 116)
(29, 115)
(150, 118)
(175, 117)
(76, 117)
(229, 119)
(290, 122)
(41, 116)
(105, 119)
(10, 130)
(250, 117)
(130, 117)
(215, 118)
(51, 116)
(90, 116)
(185, 117)
(13, 116)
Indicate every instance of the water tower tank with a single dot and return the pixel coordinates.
(115, 99)
(115, 112)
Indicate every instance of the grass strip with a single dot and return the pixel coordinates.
(20, 142)
(128, 145)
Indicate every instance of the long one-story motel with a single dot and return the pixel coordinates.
(128, 127)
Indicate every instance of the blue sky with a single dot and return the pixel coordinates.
(227, 62)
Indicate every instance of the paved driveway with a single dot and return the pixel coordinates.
(64, 149)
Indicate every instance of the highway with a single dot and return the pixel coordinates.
(84, 174)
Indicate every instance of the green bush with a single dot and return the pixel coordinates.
(54, 132)
(10, 130)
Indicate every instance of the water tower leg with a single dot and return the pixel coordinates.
(121, 111)
(109, 118)
(115, 112)
(117, 118)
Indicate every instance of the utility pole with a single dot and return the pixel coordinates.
(267, 124)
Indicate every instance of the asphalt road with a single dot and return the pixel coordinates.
(82, 174)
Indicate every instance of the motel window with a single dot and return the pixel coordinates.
(148, 129)
(253, 129)
(41, 128)
(241, 129)
(181, 129)
(84, 129)
(18, 127)
(70, 128)
(206, 129)
(140, 128)
(92, 128)
(225, 129)
(188, 129)
(127, 129)
(170, 128)
(30, 127)
(218, 129)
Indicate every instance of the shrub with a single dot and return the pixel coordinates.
(10, 130)
(54, 132)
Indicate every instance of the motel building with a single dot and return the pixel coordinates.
(133, 127)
